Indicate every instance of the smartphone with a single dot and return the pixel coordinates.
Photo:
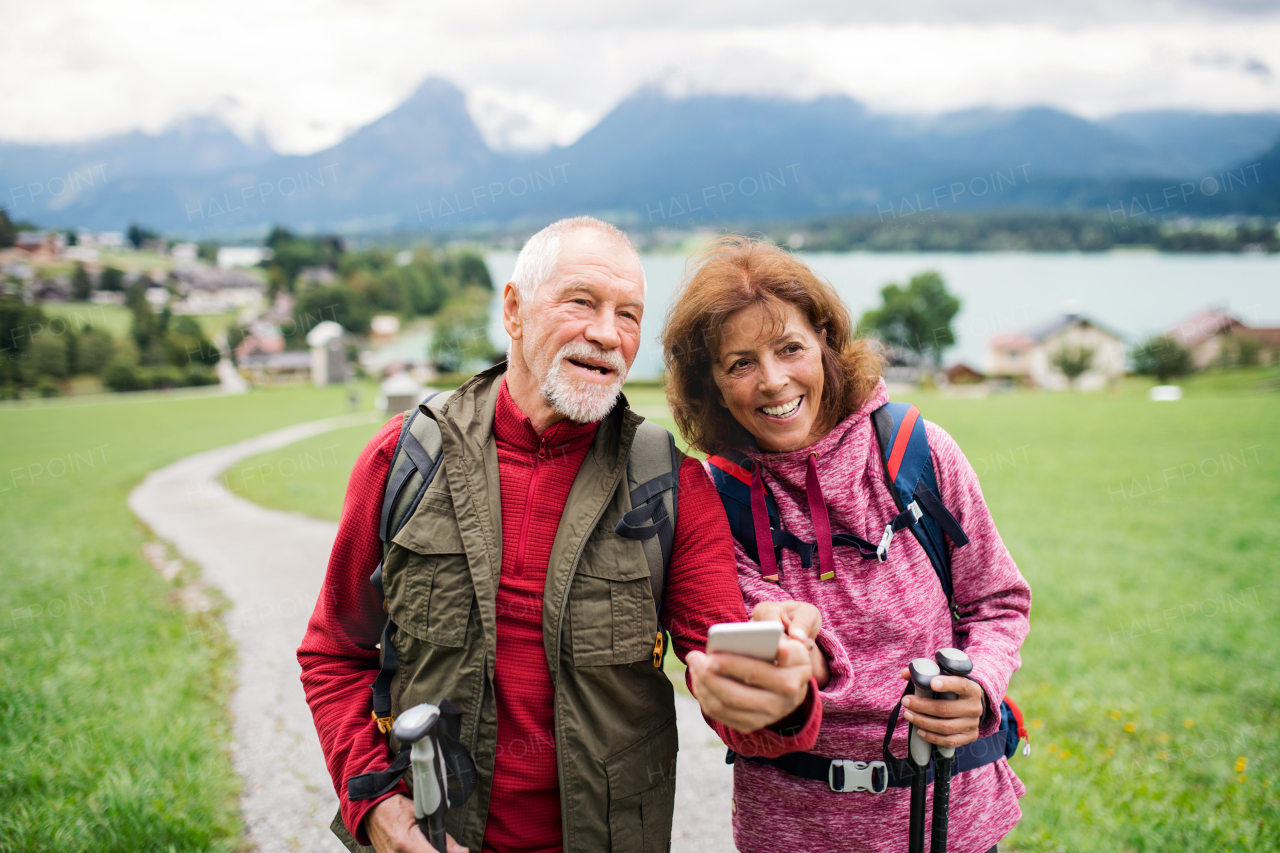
(757, 640)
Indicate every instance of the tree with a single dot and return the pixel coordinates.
(291, 254)
(111, 279)
(186, 345)
(138, 235)
(49, 356)
(461, 334)
(916, 317)
(347, 307)
(1073, 362)
(94, 349)
(81, 285)
(469, 269)
(1163, 357)
(8, 231)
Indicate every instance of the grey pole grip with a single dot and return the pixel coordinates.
(951, 662)
(923, 671)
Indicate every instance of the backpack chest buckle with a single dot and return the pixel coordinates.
(869, 776)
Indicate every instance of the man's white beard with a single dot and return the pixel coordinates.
(579, 401)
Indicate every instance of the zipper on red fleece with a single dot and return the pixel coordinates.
(528, 505)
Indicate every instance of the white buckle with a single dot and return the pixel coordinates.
(858, 776)
(915, 510)
(882, 550)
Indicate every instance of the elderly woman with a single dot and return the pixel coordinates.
(765, 375)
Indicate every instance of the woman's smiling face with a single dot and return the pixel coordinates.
(769, 372)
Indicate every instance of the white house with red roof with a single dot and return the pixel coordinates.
(1028, 355)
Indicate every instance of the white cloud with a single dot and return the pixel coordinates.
(308, 73)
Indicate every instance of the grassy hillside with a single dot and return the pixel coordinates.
(1148, 532)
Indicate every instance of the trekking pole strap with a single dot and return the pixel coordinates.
(366, 786)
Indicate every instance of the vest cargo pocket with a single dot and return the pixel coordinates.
(428, 581)
(612, 615)
(642, 791)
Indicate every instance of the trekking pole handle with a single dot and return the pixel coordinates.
(417, 727)
(951, 662)
(922, 671)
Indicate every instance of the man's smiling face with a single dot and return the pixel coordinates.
(581, 329)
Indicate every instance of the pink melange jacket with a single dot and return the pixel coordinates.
(876, 618)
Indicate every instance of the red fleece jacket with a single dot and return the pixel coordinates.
(339, 661)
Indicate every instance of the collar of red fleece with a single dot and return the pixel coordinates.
(512, 427)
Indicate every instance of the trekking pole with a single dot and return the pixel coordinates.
(417, 726)
(919, 751)
(950, 662)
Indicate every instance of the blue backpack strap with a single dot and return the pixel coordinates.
(913, 483)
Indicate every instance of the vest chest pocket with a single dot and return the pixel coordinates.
(612, 614)
(428, 581)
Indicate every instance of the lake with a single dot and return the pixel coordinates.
(1133, 293)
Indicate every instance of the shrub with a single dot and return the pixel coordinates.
(196, 376)
(164, 376)
(94, 349)
(1163, 357)
(111, 279)
(122, 375)
(49, 356)
(47, 386)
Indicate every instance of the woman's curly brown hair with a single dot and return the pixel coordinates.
(737, 272)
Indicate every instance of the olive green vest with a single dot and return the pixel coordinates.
(615, 722)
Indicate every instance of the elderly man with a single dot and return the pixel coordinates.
(513, 596)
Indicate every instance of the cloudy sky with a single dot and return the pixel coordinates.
(305, 74)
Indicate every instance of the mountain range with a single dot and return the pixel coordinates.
(654, 161)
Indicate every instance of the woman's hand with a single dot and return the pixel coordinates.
(802, 621)
(946, 722)
(748, 694)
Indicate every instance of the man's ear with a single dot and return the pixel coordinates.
(511, 320)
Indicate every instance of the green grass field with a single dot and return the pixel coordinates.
(113, 721)
(1148, 532)
(116, 319)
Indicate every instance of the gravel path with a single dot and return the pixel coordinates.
(270, 565)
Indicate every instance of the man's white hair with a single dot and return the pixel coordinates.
(538, 259)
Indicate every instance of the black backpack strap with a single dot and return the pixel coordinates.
(414, 464)
(653, 481)
(653, 478)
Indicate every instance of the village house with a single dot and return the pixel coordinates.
(1213, 336)
(215, 291)
(1028, 356)
(40, 247)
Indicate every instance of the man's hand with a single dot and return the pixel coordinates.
(802, 621)
(393, 829)
(747, 694)
(946, 722)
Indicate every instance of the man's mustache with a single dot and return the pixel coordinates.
(585, 352)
